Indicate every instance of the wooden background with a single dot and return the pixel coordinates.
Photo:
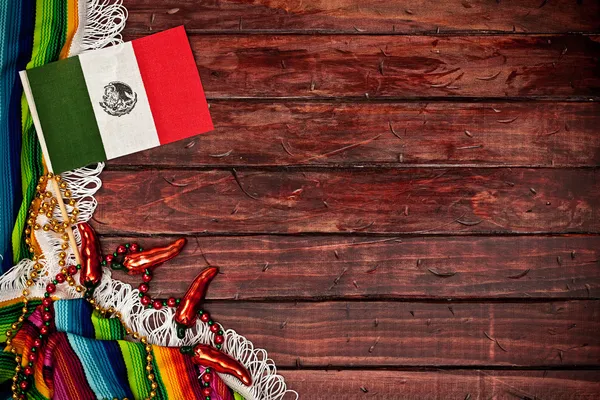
(403, 196)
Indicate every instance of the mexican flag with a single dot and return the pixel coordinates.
(107, 103)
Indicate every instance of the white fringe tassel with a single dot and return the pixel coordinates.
(104, 21)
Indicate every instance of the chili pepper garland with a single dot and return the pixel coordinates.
(139, 260)
(133, 258)
(188, 308)
(136, 261)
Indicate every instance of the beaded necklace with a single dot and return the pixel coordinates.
(44, 203)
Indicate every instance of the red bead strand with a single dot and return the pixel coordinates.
(112, 260)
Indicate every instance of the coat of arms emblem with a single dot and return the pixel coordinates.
(118, 99)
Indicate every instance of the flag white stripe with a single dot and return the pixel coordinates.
(130, 132)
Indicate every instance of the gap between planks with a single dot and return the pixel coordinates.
(134, 33)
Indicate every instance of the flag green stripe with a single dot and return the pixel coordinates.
(65, 126)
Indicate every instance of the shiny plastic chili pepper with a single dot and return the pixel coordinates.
(190, 304)
(91, 256)
(210, 357)
(136, 263)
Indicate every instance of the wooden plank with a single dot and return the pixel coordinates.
(370, 67)
(452, 384)
(359, 334)
(305, 268)
(356, 16)
(291, 133)
(408, 201)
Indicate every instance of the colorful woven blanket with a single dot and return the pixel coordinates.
(32, 33)
(87, 358)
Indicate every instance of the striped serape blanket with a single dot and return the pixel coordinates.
(86, 357)
(32, 33)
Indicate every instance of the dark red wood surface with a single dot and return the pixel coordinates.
(384, 67)
(305, 268)
(271, 134)
(386, 334)
(402, 197)
(447, 384)
(390, 201)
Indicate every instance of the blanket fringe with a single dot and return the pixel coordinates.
(105, 20)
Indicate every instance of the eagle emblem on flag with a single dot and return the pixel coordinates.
(118, 99)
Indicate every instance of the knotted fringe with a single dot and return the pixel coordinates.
(159, 327)
(103, 21)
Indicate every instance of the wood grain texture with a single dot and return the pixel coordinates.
(325, 267)
(292, 133)
(332, 66)
(437, 385)
(409, 201)
(439, 334)
(366, 190)
(356, 16)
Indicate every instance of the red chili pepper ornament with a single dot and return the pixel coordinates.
(136, 263)
(191, 303)
(91, 256)
(210, 357)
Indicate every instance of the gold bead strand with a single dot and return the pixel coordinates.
(72, 220)
(149, 367)
(9, 338)
(14, 328)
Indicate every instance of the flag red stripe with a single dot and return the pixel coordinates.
(172, 85)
